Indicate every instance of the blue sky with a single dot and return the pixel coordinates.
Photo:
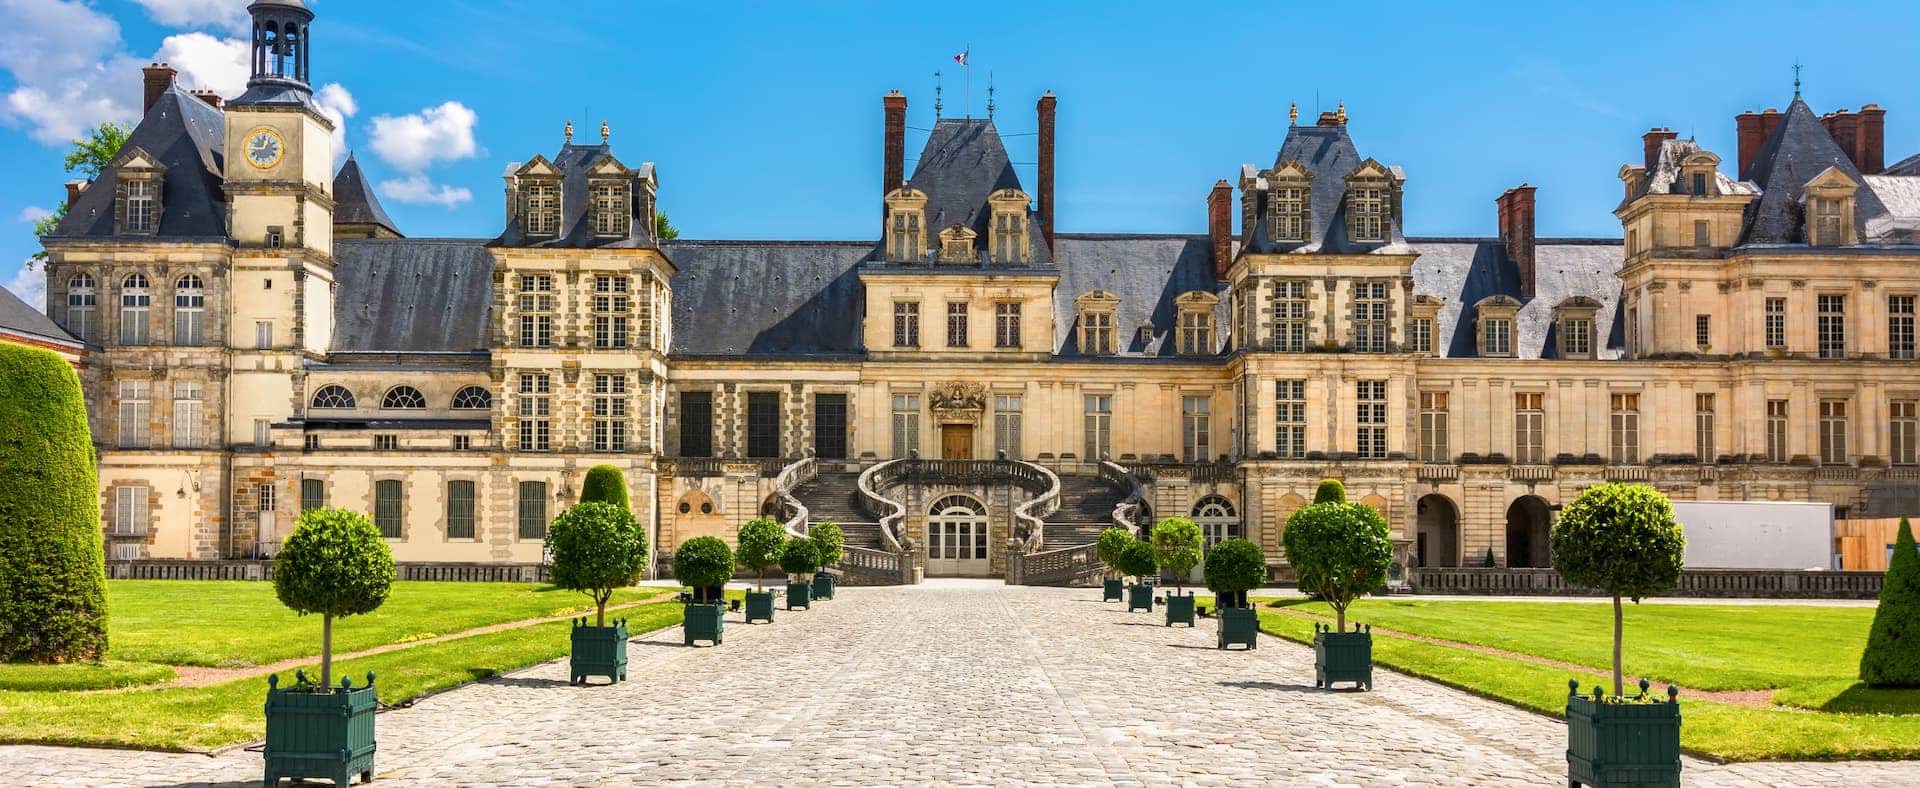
(764, 119)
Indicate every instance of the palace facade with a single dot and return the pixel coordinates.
(972, 391)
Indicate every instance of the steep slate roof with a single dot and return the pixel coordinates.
(963, 162)
(418, 295)
(761, 298)
(1146, 272)
(1328, 152)
(1665, 177)
(354, 201)
(576, 163)
(1463, 271)
(1799, 149)
(21, 319)
(188, 137)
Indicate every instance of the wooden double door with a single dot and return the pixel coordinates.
(956, 441)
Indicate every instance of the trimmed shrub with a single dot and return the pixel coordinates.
(1177, 542)
(799, 557)
(1892, 658)
(53, 577)
(1136, 560)
(1234, 567)
(597, 547)
(1339, 551)
(1330, 491)
(1621, 539)
(1112, 542)
(605, 484)
(829, 542)
(702, 563)
(761, 540)
(1488, 561)
(336, 564)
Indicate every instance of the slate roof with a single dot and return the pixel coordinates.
(767, 298)
(1464, 271)
(188, 137)
(575, 162)
(1900, 195)
(21, 319)
(962, 163)
(1665, 177)
(412, 295)
(1907, 166)
(354, 201)
(1797, 150)
(1328, 152)
(1146, 272)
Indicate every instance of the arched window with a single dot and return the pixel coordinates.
(1217, 518)
(333, 398)
(957, 504)
(473, 398)
(136, 300)
(956, 536)
(82, 299)
(403, 398)
(189, 311)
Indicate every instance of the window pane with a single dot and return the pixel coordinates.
(459, 509)
(533, 510)
(386, 507)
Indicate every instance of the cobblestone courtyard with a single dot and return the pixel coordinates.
(951, 682)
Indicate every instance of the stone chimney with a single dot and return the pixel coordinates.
(1747, 125)
(894, 169)
(1220, 227)
(1045, 109)
(1870, 145)
(213, 99)
(1652, 139)
(1516, 232)
(159, 77)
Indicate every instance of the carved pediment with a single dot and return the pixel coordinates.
(959, 400)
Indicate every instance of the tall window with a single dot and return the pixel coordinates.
(1290, 316)
(696, 424)
(610, 209)
(611, 305)
(609, 413)
(1009, 237)
(1096, 333)
(459, 509)
(1625, 429)
(1196, 333)
(263, 434)
(1827, 227)
(136, 415)
(313, 494)
(263, 335)
(82, 300)
(1006, 425)
(1496, 336)
(1702, 233)
(1833, 432)
(140, 205)
(536, 310)
(130, 512)
(536, 412)
(1703, 428)
(1900, 326)
(1420, 335)
(1433, 426)
(387, 507)
(1367, 215)
(1006, 324)
(1529, 422)
(1370, 411)
(1832, 325)
(189, 311)
(906, 324)
(543, 208)
(906, 425)
(136, 300)
(1098, 427)
(1776, 325)
(907, 245)
(763, 424)
(533, 510)
(1196, 421)
(1703, 331)
(1633, 330)
(1576, 337)
(1903, 437)
(1776, 430)
(1290, 416)
(1370, 317)
(1290, 213)
(830, 425)
(956, 324)
(189, 414)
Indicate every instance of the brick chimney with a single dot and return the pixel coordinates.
(1747, 125)
(1045, 109)
(159, 77)
(1844, 127)
(1871, 143)
(1516, 232)
(1653, 138)
(213, 99)
(1328, 119)
(894, 169)
(1769, 120)
(74, 189)
(1220, 227)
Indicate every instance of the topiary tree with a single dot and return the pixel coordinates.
(606, 484)
(53, 576)
(1136, 561)
(829, 542)
(1330, 491)
(336, 564)
(1177, 542)
(597, 547)
(703, 562)
(1234, 567)
(799, 557)
(1112, 541)
(761, 540)
(1892, 658)
(1621, 539)
(1488, 561)
(1339, 551)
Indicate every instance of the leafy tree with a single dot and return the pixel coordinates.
(1330, 491)
(605, 483)
(1136, 560)
(761, 540)
(1339, 551)
(90, 156)
(597, 547)
(1112, 542)
(1621, 539)
(335, 563)
(1177, 542)
(664, 229)
(53, 605)
(1234, 567)
(799, 557)
(829, 542)
(703, 562)
(1892, 658)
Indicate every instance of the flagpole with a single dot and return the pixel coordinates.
(968, 57)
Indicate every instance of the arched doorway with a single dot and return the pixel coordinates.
(1528, 521)
(1437, 533)
(957, 537)
(1217, 518)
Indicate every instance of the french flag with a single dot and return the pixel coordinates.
(961, 58)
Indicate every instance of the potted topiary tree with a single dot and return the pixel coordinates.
(1136, 561)
(1177, 542)
(1892, 657)
(1339, 551)
(829, 544)
(705, 564)
(1621, 539)
(336, 564)
(597, 547)
(761, 540)
(1234, 567)
(605, 484)
(1112, 541)
(800, 560)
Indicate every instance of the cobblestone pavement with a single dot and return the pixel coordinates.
(951, 682)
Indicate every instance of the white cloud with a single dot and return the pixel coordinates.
(413, 142)
(207, 63)
(67, 67)
(33, 213)
(225, 14)
(337, 104)
(419, 190)
(30, 286)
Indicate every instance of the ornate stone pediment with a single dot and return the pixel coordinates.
(959, 401)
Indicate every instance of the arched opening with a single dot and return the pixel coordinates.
(695, 514)
(1528, 521)
(1217, 519)
(957, 537)
(1437, 534)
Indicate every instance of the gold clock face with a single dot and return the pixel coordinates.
(263, 148)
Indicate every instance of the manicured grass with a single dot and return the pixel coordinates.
(82, 675)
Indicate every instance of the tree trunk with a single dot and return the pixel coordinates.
(600, 602)
(1617, 683)
(1340, 618)
(326, 652)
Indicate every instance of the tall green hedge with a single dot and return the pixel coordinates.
(1330, 491)
(53, 577)
(605, 484)
(1892, 658)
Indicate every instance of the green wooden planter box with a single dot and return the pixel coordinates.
(1140, 597)
(799, 595)
(759, 606)
(1179, 609)
(1110, 591)
(1239, 625)
(1632, 741)
(598, 651)
(823, 586)
(1342, 656)
(320, 736)
(703, 621)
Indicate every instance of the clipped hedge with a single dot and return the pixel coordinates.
(605, 484)
(597, 547)
(799, 557)
(761, 541)
(703, 562)
(1111, 543)
(1330, 491)
(1234, 567)
(1339, 551)
(1177, 542)
(1892, 657)
(1136, 560)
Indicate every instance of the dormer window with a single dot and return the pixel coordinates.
(1699, 169)
(1575, 318)
(141, 206)
(1367, 214)
(1699, 183)
(1008, 233)
(1422, 315)
(138, 205)
(906, 218)
(611, 217)
(1494, 335)
(1195, 311)
(956, 245)
(542, 208)
(1827, 226)
(1097, 327)
(1829, 208)
(1292, 201)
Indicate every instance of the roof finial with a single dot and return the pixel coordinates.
(1796, 80)
(1341, 113)
(1293, 113)
(989, 95)
(569, 131)
(936, 94)
(606, 132)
